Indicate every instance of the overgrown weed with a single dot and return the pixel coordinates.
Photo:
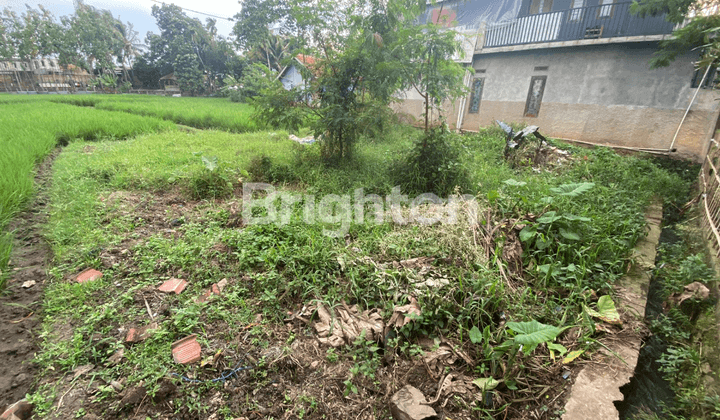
(586, 218)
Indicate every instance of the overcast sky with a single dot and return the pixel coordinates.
(137, 12)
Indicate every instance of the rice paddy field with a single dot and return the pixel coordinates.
(204, 113)
(31, 128)
(320, 314)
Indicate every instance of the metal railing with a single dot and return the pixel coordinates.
(603, 21)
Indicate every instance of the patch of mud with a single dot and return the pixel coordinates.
(20, 306)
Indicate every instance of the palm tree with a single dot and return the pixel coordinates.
(272, 51)
(130, 45)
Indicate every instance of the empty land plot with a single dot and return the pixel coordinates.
(496, 297)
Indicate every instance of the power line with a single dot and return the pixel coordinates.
(195, 11)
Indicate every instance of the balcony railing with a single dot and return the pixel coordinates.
(604, 21)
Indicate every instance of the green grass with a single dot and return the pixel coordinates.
(31, 128)
(204, 113)
(155, 163)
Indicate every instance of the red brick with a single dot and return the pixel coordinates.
(89, 275)
(186, 350)
(136, 335)
(173, 285)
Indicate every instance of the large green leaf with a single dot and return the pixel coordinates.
(527, 233)
(486, 384)
(532, 333)
(549, 217)
(568, 234)
(572, 189)
(210, 163)
(572, 217)
(475, 335)
(542, 242)
(606, 311)
(557, 347)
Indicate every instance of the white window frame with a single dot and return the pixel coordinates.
(575, 12)
(606, 8)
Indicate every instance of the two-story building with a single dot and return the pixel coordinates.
(41, 75)
(580, 70)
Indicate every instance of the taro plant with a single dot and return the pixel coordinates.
(213, 181)
(525, 337)
(553, 237)
(529, 335)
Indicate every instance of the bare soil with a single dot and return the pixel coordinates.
(20, 306)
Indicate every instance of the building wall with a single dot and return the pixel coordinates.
(604, 94)
(291, 78)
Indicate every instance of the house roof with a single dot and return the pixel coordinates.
(307, 61)
(75, 69)
(170, 76)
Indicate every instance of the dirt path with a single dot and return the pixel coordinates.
(20, 306)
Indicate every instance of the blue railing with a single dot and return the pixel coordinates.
(604, 21)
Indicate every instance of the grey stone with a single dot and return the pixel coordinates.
(410, 404)
(117, 386)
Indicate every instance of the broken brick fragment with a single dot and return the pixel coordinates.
(173, 286)
(136, 335)
(21, 410)
(186, 350)
(215, 289)
(89, 275)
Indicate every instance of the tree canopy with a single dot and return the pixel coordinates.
(181, 38)
(700, 29)
(366, 51)
(90, 38)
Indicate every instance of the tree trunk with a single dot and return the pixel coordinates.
(427, 112)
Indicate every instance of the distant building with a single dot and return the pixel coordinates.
(41, 75)
(169, 83)
(291, 76)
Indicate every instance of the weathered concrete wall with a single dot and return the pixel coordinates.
(604, 94)
(413, 106)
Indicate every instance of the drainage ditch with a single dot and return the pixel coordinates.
(648, 391)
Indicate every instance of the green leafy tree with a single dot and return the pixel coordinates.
(181, 35)
(130, 46)
(255, 18)
(426, 60)
(255, 80)
(146, 73)
(188, 73)
(31, 35)
(93, 41)
(702, 30)
(366, 52)
(274, 52)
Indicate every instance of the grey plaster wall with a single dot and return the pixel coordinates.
(609, 75)
(603, 93)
